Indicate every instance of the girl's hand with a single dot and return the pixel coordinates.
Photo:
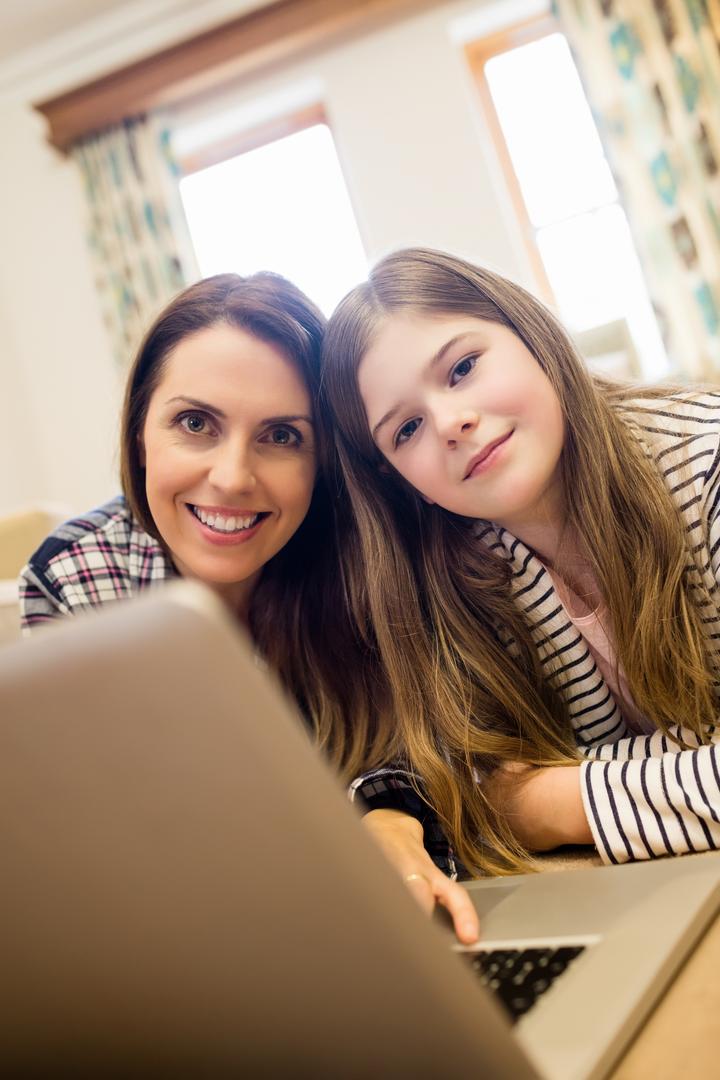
(401, 838)
(543, 806)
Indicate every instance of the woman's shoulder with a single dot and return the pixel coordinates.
(110, 527)
(105, 545)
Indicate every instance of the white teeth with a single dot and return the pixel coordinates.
(225, 524)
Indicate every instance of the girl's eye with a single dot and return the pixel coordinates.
(462, 368)
(283, 436)
(194, 423)
(406, 432)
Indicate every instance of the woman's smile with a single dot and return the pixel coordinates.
(228, 486)
(227, 526)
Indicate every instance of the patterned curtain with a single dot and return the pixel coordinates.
(652, 74)
(137, 231)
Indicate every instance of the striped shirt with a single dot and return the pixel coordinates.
(643, 796)
(103, 556)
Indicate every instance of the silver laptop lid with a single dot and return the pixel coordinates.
(185, 886)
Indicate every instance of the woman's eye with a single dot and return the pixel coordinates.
(462, 368)
(406, 432)
(194, 423)
(284, 436)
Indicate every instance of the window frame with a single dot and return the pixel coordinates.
(245, 139)
(477, 54)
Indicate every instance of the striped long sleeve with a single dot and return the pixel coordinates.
(646, 796)
(642, 808)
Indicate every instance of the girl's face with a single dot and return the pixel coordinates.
(229, 455)
(463, 411)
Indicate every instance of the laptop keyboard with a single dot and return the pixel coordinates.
(519, 976)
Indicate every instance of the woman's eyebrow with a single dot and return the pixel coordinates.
(196, 404)
(432, 363)
(288, 419)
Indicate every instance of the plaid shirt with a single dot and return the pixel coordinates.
(100, 557)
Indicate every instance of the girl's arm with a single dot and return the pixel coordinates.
(637, 808)
(643, 746)
(664, 805)
(542, 806)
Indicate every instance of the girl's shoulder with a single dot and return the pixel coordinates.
(665, 420)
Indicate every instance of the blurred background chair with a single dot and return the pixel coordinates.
(20, 534)
(609, 350)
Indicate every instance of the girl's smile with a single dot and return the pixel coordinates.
(481, 462)
(463, 411)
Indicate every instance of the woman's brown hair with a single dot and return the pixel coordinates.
(436, 602)
(298, 616)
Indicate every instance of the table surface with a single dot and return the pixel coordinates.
(680, 1037)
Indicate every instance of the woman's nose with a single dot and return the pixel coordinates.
(232, 470)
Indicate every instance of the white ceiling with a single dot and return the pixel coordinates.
(27, 23)
(48, 46)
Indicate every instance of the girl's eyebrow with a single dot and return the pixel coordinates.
(432, 363)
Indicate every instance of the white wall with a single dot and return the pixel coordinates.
(419, 170)
(58, 384)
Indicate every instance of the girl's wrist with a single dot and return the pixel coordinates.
(569, 821)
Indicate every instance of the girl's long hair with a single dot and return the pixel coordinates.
(435, 602)
(298, 616)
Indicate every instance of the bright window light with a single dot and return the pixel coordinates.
(571, 199)
(551, 136)
(282, 207)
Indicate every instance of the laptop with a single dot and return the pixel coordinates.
(187, 892)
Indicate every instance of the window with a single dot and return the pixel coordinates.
(564, 191)
(276, 201)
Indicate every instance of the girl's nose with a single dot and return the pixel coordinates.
(457, 424)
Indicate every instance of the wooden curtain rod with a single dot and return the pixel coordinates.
(278, 32)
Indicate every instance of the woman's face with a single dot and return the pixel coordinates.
(463, 411)
(229, 453)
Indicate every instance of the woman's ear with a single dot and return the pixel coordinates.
(430, 502)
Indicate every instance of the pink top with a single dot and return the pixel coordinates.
(589, 623)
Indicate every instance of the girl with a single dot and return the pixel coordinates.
(538, 564)
(224, 464)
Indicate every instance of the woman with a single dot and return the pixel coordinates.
(542, 557)
(225, 462)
